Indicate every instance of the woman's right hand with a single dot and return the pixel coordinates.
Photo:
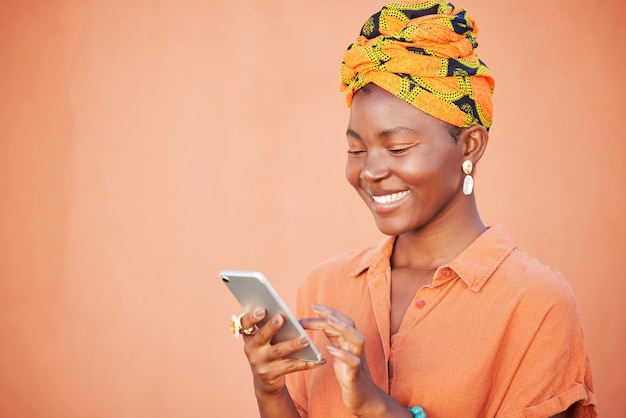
(267, 361)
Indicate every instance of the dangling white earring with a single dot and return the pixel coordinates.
(468, 183)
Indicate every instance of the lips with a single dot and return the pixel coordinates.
(390, 198)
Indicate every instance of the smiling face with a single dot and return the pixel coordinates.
(405, 164)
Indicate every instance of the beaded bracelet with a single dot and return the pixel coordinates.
(418, 412)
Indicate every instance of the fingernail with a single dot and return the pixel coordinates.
(317, 307)
(259, 313)
(332, 348)
(276, 320)
(303, 341)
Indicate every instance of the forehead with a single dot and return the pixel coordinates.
(376, 110)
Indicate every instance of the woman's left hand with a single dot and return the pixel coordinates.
(359, 391)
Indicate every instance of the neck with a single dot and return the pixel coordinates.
(437, 243)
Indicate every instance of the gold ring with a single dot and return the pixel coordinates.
(236, 327)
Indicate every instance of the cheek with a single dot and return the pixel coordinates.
(416, 172)
(428, 176)
(353, 172)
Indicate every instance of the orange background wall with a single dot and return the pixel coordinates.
(145, 145)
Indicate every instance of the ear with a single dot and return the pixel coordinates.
(474, 140)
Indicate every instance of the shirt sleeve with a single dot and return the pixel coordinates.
(554, 372)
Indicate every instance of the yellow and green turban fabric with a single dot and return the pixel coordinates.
(423, 53)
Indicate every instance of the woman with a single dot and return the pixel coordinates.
(445, 317)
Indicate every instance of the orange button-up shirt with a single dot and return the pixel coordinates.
(496, 334)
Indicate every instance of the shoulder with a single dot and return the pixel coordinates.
(534, 292)
(534, 277)
(512, 278)
(345, 269)
(545, 336)
(495, 265)
(347, 264)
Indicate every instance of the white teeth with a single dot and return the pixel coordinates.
(390, 197)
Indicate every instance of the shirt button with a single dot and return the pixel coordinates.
(446, 271)
(420, 303)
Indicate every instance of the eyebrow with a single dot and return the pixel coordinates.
(396, 130)
(384, 133)
(352, 133)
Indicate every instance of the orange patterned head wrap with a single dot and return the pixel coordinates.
(424, 53)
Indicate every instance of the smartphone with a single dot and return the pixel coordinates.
(253, 290)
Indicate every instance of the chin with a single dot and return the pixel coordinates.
(388, 227)
(399, 225)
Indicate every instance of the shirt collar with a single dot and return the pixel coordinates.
(482, 257)
(375, 257)
(474, 265)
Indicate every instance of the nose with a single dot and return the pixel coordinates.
(375, 167)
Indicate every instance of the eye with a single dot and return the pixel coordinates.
(355, 152)
(400, 148)
(399, 151)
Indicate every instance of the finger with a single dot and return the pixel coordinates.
(319, 324)
(266, 332)
(338, 322)
(253, 317)
(339, 333)
(274, 370)
(348, 333)
(346, 357)
(283, 349)
(280, 349)
(270, 359)
(325, 311)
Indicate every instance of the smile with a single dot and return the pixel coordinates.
(390, 198)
